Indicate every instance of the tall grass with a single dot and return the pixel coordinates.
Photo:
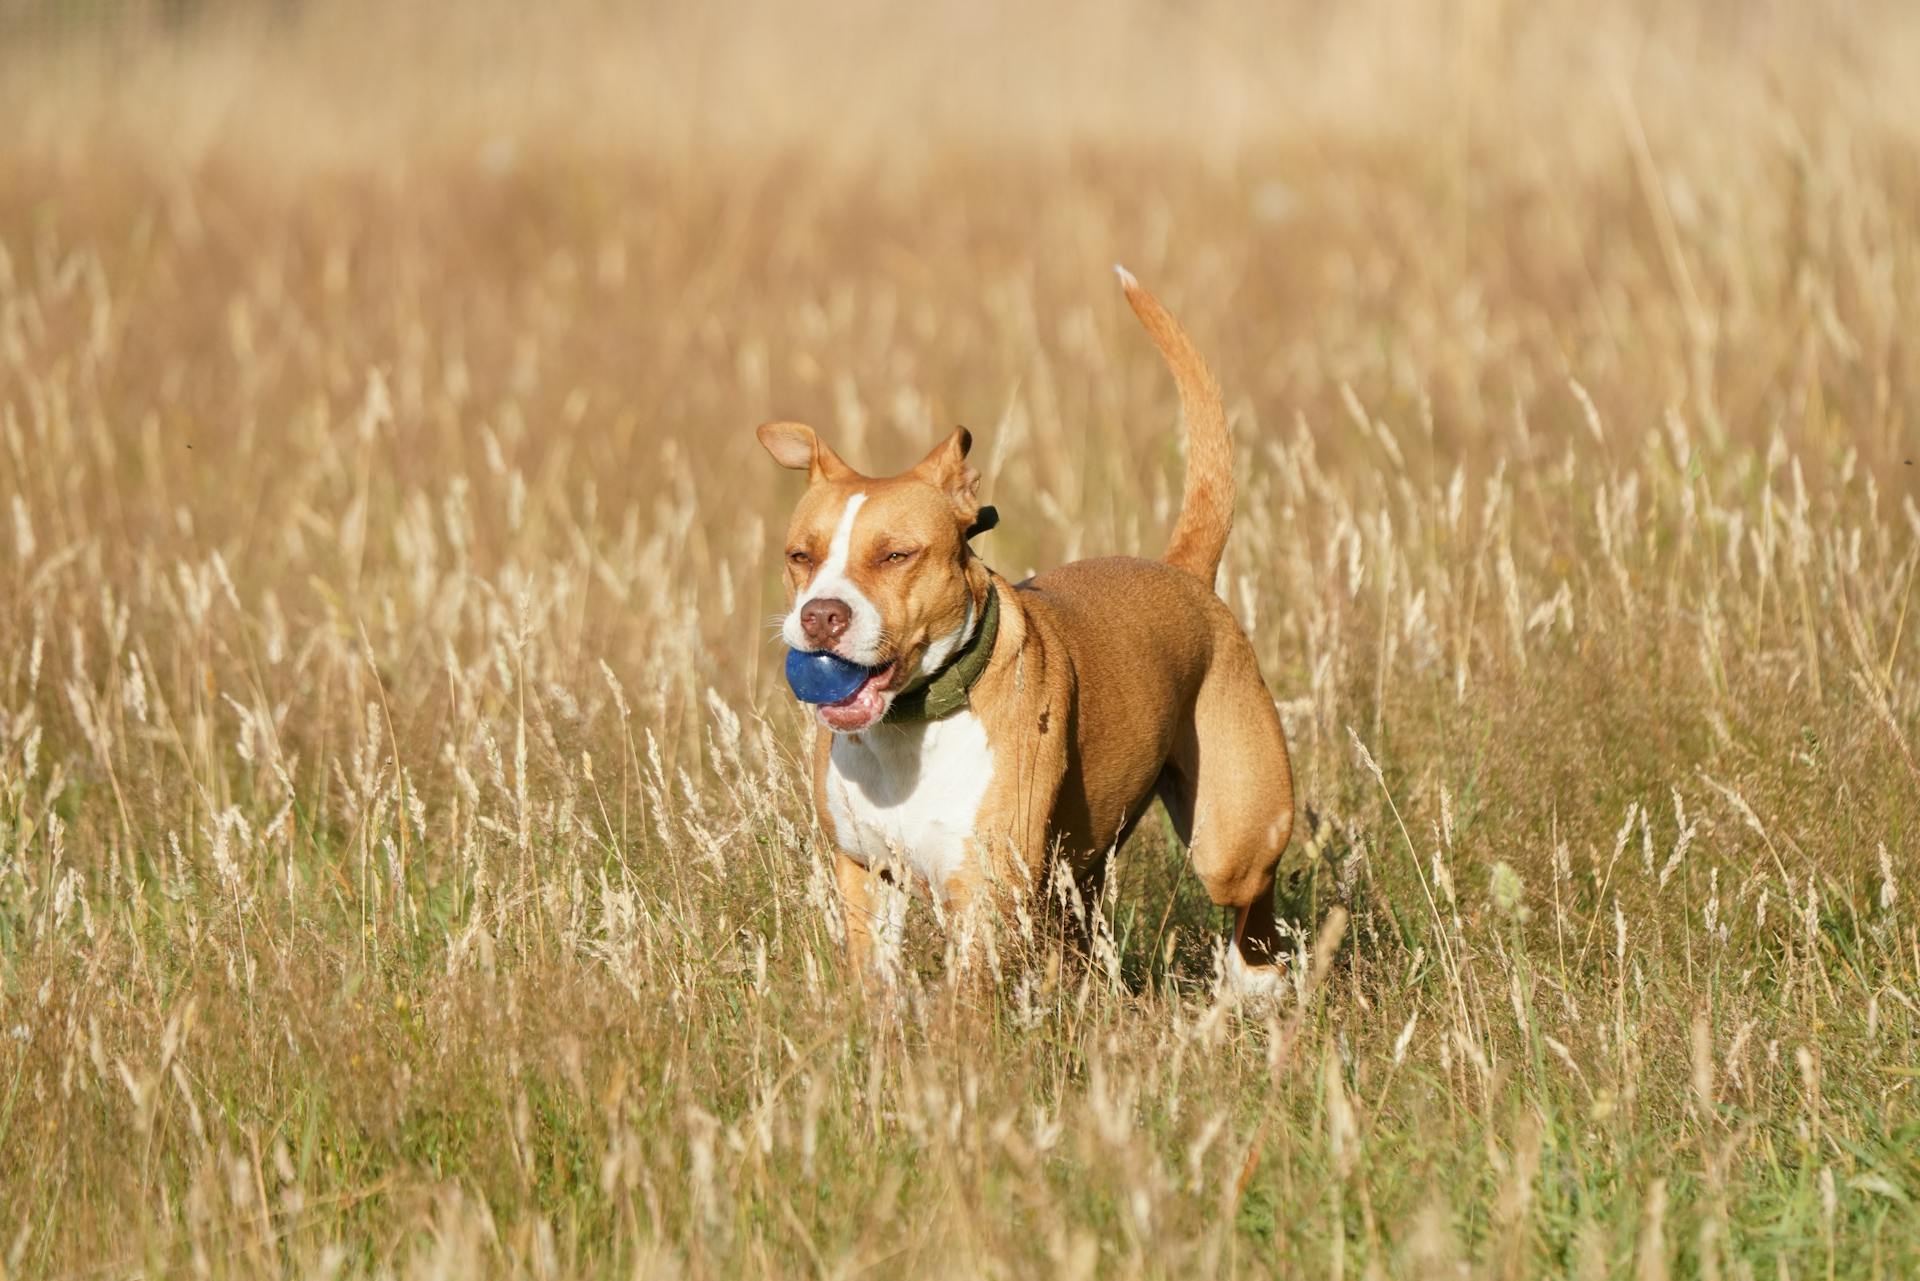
(406, 864)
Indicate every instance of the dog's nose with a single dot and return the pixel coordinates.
(825, 621)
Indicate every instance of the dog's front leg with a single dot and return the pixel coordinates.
(989, 900)
(972, 901)
(873, 907)
(856, 910)
(860, 912)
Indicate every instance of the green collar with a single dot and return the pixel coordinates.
(945, 692)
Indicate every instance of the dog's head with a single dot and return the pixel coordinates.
(878, 570)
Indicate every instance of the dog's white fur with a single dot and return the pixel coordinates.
(910, 794)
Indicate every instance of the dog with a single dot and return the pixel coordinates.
(1004, 728)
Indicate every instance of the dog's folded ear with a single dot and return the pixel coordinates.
(797, 446)
(946, 466)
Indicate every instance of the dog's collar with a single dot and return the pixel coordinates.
(945, 692)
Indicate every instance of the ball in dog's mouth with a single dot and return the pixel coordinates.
(821, 676)
(862, 708)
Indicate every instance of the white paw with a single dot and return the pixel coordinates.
(1254, 984)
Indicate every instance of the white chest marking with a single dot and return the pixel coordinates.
(910, 793)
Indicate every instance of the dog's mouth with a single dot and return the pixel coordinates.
(865, 706)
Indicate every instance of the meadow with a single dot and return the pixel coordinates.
(407, 866)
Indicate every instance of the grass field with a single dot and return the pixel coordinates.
(406, 864)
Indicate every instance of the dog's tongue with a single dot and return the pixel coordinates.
(861, 708)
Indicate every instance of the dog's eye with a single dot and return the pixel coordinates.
(799, 558)
(896, 558)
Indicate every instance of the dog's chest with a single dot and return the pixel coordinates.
(910, 793)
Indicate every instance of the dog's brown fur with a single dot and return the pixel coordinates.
(1112, 681)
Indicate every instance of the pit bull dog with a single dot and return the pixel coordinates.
(1004, 727)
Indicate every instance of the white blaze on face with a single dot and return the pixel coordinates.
(861, 642)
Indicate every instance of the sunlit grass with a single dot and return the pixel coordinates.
(406, 864)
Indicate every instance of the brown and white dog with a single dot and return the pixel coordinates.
(1089, 690)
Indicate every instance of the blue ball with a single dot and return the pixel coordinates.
(819, 677)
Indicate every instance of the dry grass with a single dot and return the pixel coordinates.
(404, 867)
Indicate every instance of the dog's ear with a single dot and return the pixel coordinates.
(796, 445)
(946, 466)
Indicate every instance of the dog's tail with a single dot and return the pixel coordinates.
(1206, 508)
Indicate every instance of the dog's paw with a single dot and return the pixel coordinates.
(1254, 984)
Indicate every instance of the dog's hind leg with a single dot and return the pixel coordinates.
(1229, 790)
